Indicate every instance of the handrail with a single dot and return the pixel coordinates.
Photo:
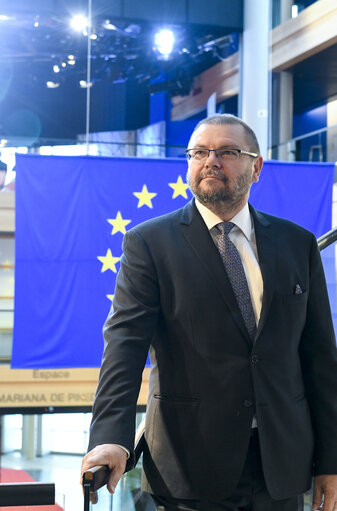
(327, 239)
(304, 136)
(26, 494)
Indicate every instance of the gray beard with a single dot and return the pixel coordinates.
(226, 197)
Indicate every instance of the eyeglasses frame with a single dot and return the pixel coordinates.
(239, 151)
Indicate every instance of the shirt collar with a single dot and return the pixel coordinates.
(242, 219)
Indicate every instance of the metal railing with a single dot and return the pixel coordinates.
(313, 146)
(26, 494)
(327, 239)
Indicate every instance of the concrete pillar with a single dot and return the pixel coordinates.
(285, 117)
(211, 105)
(331, 139)
(285, 7)
(254, 70)
(284, 112)
(43, 434)
(29, 436)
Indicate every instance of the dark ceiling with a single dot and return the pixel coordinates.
(39, 32)
(120, 53)
(36, 36)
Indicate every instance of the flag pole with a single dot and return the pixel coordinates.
(87, 117)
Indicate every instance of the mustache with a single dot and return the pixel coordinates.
(213, 173)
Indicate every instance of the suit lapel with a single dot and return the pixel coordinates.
(267, 253)
(197, 235)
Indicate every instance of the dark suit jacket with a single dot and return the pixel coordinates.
(207, 378)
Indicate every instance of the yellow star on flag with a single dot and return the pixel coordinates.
(111, 297)
(118, 223)
(144, 197)
(109, 261)
(179, 188)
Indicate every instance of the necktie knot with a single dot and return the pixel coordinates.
(225, 227)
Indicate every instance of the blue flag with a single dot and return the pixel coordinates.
(71, 215)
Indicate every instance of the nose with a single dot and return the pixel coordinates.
(212, 158)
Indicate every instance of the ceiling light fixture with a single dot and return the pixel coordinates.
(52, 85)
(84, 84)
(79, 22)
(164, 41)
(56, 68)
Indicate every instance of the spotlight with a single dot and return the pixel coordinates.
(79, 22)
(94, 37)
(84, 84)
(52, 85)
(3, 17)
(64, 64)
(164, 41)
(71, 57)
(56, 68)
(71, 62)
(36, 24)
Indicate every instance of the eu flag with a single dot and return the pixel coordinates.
(71, 215)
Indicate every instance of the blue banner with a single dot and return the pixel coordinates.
(71, 215)
(300, 192)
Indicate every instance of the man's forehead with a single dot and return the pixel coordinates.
(207, 131)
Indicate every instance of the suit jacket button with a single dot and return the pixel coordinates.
(254, 359)
(247, 403)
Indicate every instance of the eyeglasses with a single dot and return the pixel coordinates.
(222, 154)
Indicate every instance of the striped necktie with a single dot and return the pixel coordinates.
(236, 274)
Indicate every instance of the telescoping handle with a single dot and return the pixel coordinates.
(96, 477)
(93, 479)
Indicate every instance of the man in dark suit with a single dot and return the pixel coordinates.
(232, 304)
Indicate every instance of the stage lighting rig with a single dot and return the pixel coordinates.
(163, 42)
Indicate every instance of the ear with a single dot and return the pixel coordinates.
(257, 167)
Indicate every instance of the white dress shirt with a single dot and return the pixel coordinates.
(243, 237)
